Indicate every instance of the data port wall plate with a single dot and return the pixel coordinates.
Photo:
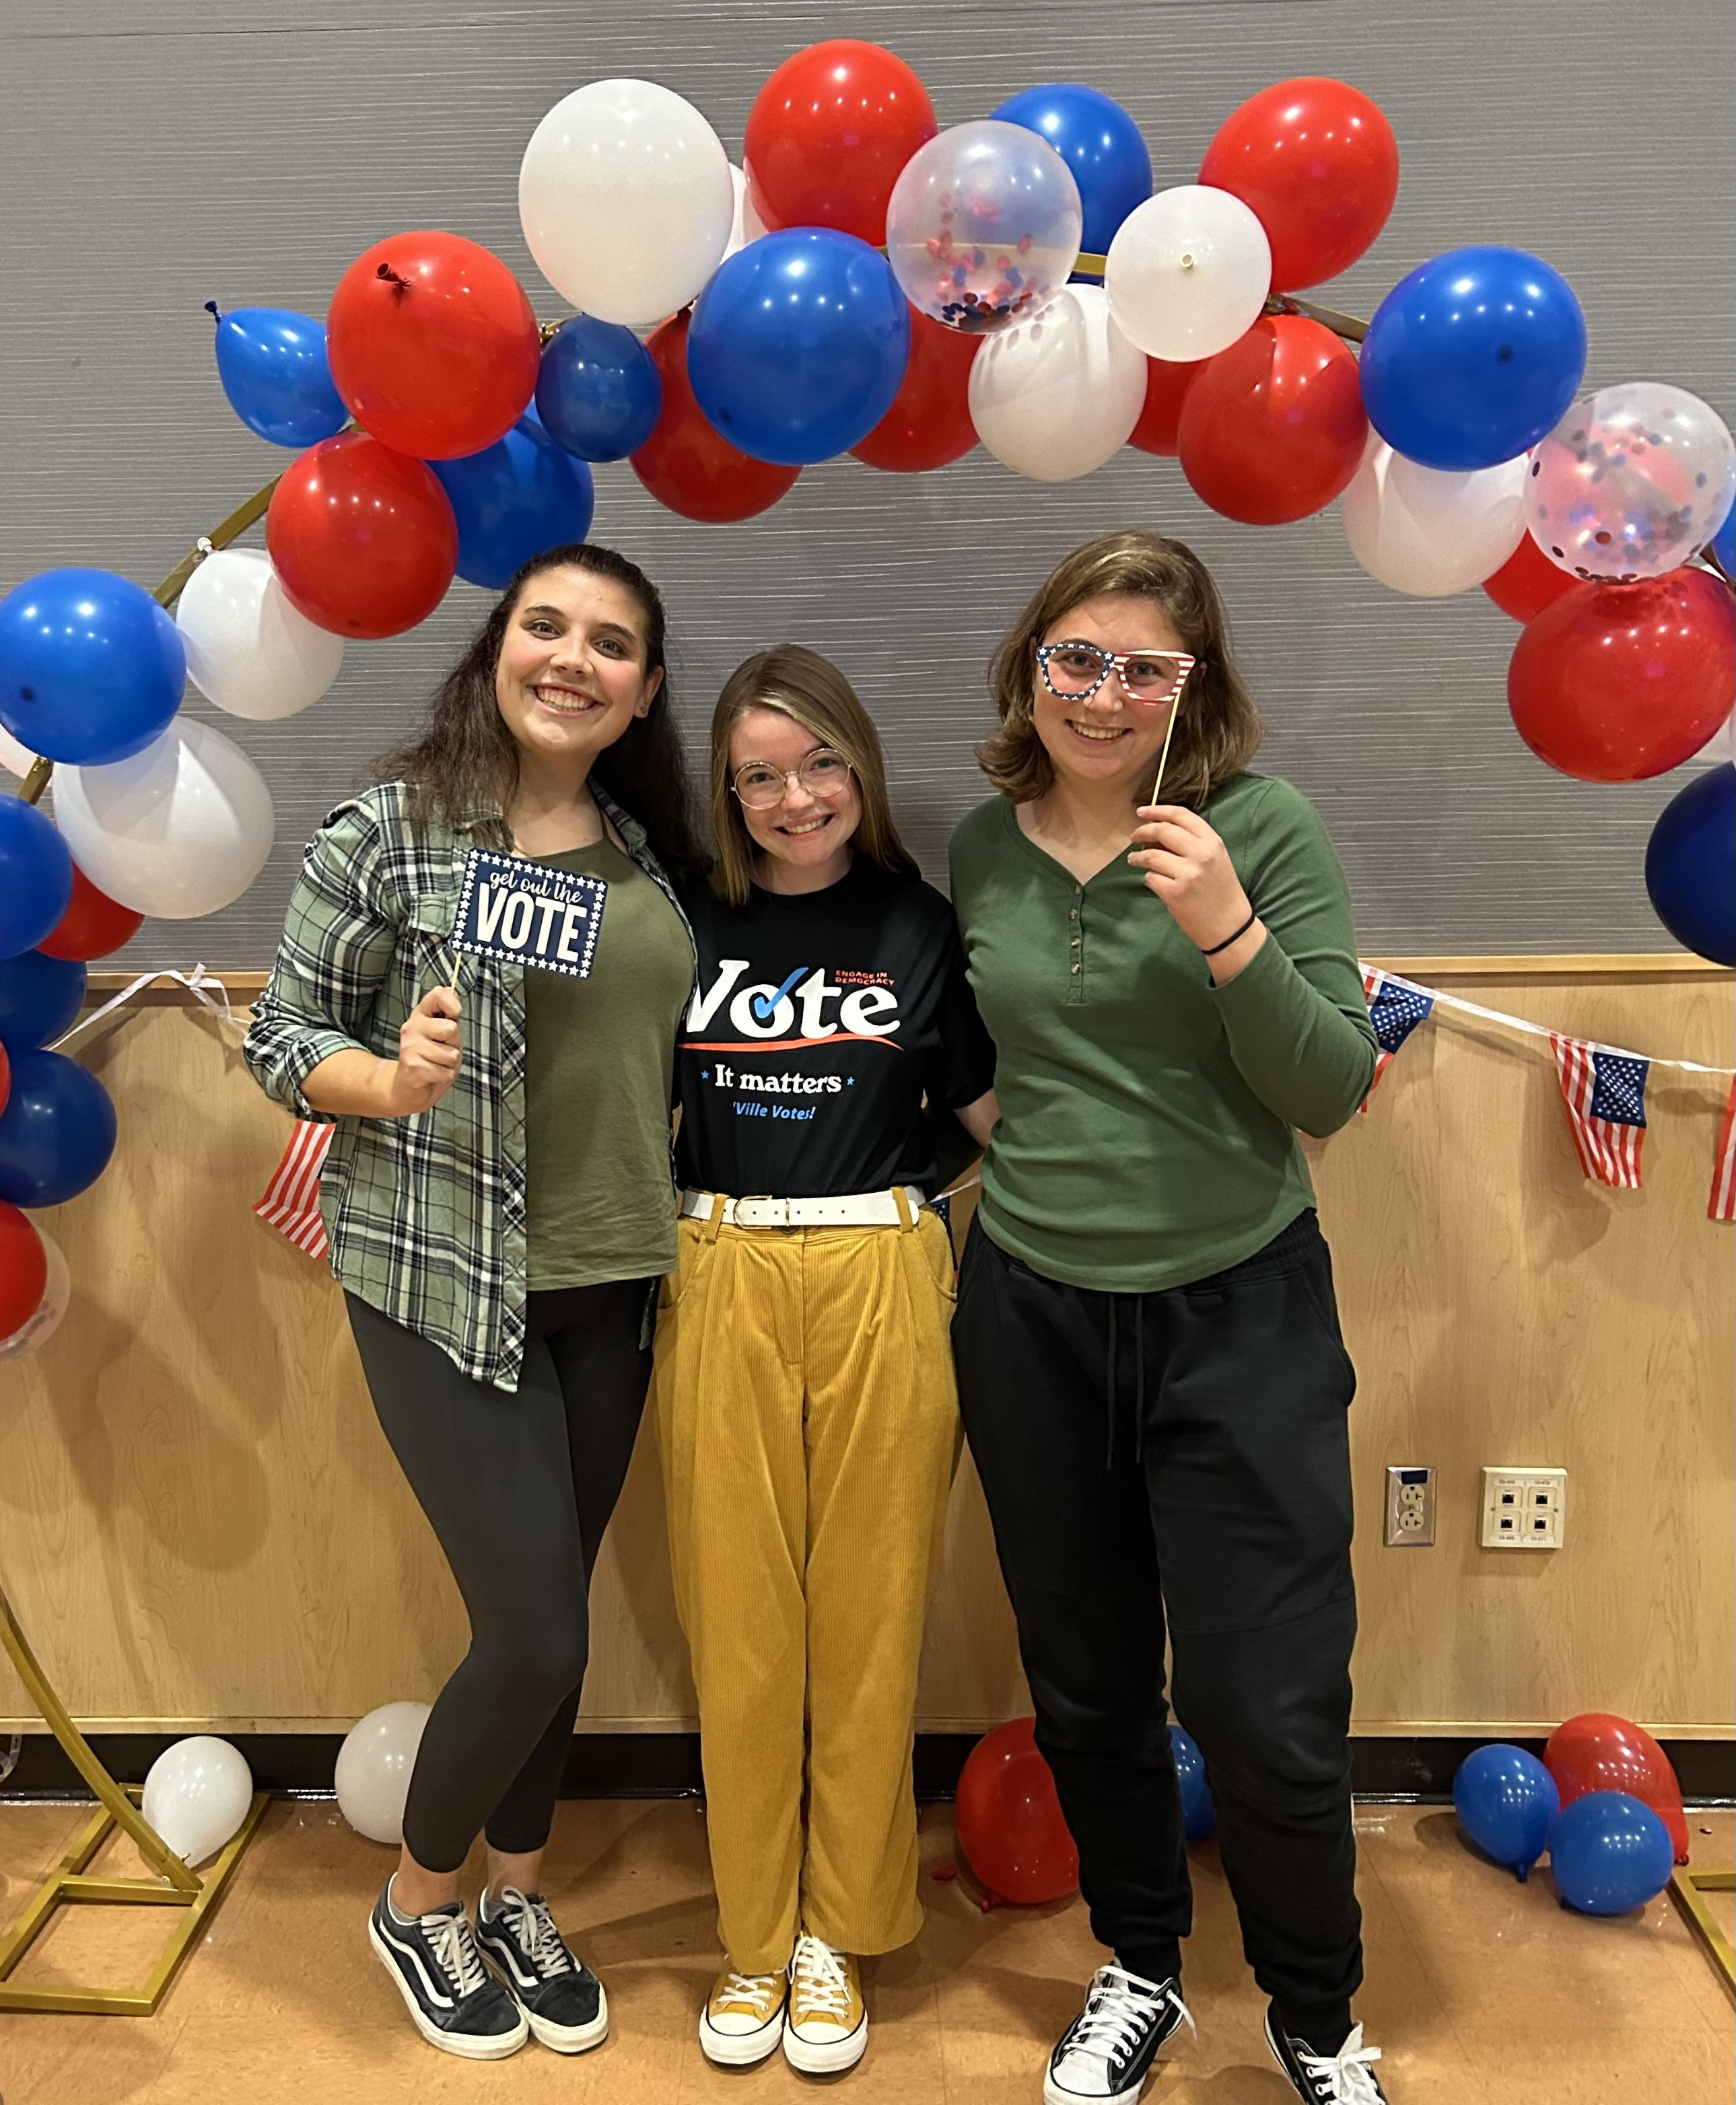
(1410, 1507)
(1524, 1508)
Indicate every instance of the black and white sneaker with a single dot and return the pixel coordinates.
(1108, 2049)
(446, 1988)
(1345, 2078)
(562, 1998)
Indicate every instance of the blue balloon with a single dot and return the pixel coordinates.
(1506, 1802)
(56, 1132)
(91, 668)
(799, 344)
(1610, 1854)
(1690, 866)
(40, 997)
(1724, 542)
(1198, 1814)
(514, 499)
(1101, 144)
(598, 392)
(36, 877)
(273, 366)
(1472, 358)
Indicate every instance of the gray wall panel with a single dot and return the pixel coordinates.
(152, 157)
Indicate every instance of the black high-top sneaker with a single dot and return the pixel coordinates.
(562, 1998)
(1345, 2078)
(1106, 2053)
(434, 1960)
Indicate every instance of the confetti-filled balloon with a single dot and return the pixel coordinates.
(983, 225)
(1631, 482)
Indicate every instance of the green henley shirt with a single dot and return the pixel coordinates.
(1148, 1118)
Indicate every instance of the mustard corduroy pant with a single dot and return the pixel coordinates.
(804, 1406)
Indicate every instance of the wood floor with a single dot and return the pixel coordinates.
(1480, 1989)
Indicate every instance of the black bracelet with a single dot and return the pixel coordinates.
(1251, 918)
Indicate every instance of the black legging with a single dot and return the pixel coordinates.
(519, 1489)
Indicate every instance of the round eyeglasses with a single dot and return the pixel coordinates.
(758, 785)
(1072, 671)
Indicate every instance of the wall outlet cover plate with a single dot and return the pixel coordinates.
(1524, 1508)
(1410, 1507)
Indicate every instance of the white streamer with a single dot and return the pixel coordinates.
(206, 989)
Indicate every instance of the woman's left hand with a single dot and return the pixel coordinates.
(1187, 866)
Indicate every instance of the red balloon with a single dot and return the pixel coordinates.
(364, 538)
(1617, 683)
(687, 463)
(1166, 385)
(1010, 1823)
(23, 1268)
(433, 345)
(829, 136)
(1273, 428)
(1598, 1751)
(929, 422)
(92, 925)
(1527, 582)
(1317, 164)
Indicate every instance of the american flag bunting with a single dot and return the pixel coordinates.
(1722, 1204)
(1605, 1093)
(291, 1200)
(1395, 1011)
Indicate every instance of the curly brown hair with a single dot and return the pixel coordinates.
(464, 761)
(1217, 728)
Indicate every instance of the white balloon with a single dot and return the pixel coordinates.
(1055, 396)
(40, 1325)
(373, 1769)
(1721, 745)
(15, 759)
(1188, 272)
(625, 198)
(179, 830)
(197, 1794)
(248, 650)
(1431, 531)
(745, 226)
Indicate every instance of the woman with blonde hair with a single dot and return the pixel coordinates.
(803, 1391)
(1149, 1364)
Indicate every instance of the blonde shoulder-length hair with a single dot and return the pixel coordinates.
(1217, 728)
(811, 691)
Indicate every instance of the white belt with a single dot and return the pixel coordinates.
(856, 1209)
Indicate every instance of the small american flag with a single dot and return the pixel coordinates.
(291, 1200)
(1395, 1010)
(1605, 1093)
(1722, 1204)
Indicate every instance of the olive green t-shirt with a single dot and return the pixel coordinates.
(599, 1195)
(1148, 1118)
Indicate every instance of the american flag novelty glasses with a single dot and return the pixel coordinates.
(1072, 671)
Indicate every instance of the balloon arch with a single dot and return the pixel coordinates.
(869, 283)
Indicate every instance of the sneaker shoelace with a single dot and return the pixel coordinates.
(1343, 2078)
(760, 1992)
(453, 1943)
(1119, 2009)
(818, 1980)
(534, 1926)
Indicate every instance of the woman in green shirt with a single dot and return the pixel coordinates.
(1149, 1364)
(499, 1203)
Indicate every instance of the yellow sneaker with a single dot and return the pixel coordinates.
(739, 2023)
(825, 2026)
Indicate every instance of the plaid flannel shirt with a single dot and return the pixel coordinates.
(426, 1214)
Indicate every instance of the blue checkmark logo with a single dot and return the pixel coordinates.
(765, 1010)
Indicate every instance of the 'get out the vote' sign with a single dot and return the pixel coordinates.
(529, 913)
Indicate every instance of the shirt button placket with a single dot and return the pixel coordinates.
(1076, 949)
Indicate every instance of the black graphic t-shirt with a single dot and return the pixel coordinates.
(819, 1021)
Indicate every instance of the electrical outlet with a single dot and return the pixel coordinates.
(1410, 1507)
(1524, 1508)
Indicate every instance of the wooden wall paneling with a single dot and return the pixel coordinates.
(201, 1523)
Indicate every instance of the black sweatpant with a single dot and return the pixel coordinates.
(1184, 1451)
(519, 1490)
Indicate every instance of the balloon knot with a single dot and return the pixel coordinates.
(392, 278)
(212, 309)
(944, 1872)
(1522, 1872)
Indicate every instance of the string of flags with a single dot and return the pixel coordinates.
(1602, 1086)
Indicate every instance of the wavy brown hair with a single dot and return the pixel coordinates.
(1217, 728)
(813, 692)
(464, 762)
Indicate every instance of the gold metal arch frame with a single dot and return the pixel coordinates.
(1686, 1888)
